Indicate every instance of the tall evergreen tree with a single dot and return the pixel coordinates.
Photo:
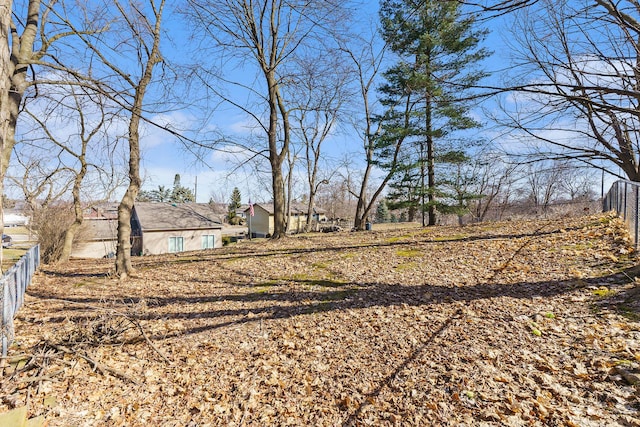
(234, 204)
(457, 185)
(438, 54)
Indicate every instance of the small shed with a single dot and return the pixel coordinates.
(159, 228)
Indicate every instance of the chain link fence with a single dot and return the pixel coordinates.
(624, 198)
(14, 285)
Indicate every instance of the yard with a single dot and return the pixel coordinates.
(517, 323)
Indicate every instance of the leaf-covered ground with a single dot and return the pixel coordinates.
(519, 323)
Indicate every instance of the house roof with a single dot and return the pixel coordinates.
(99, 229)
(102, 211)
(296, 208)
(176, 216)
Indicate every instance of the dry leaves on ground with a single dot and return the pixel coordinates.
(522, 323)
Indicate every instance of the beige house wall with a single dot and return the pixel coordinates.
(157, 242)
(93, 249)
(297, 223)
(261, 223)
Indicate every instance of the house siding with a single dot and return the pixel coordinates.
(94, 249)
(261, 223)
(157, 242)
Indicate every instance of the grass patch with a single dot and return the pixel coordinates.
(409, 253)
(603, 292)
(10, 256)
(317, 281)
(578, 246)
(262, 289)
(453, 237)
(320, 265)
(396, 239)
(406, 266)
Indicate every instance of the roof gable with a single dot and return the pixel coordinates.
(175, 216)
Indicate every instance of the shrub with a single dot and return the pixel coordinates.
(50, 223)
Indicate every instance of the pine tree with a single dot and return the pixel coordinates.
(457, 186)
(382, 213)
(234, 204)
(438, 53)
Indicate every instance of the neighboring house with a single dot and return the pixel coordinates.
(261, 224)
(14, 219)
(242, 211)
(159, 228)
(98, 235)
(97, 238)
(103, 211)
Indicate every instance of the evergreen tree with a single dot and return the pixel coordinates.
(382, 213)
(181, 194)
(234, 204)
(457, 186)
(161, 194)
(404, 192)
(438, 53)
(177, 194)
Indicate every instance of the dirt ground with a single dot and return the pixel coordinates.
(517, 323)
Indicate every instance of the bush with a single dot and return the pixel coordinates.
(236, 220)
(226, 240)
(50, 223)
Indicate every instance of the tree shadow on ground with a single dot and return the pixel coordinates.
(623, 297)
(254, 251)
(269, 302)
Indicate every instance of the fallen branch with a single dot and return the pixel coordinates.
(96, 365)
(151, 344)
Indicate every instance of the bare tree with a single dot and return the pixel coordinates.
(83, 116)
(127, 47)
(495, 179)
(580, 98)
(265, 34)
(542, 184)
(320, 95)
(41, 179)
(17, 41)
(366, 57)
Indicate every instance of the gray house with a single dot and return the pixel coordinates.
(160, 228)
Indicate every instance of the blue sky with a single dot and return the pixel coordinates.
(163, 157)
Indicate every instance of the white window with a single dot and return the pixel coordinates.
(208, 241)
(176, 244)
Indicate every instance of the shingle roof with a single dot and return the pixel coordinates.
(175, 216)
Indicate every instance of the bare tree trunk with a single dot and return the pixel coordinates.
(276, 157)
(5, 61)
(17, 52)
(72, 231)
(124, 267)
(291, 164)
